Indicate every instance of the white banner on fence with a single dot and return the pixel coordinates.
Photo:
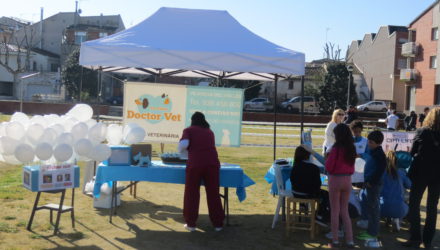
(403, 140)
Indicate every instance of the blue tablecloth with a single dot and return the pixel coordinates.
(270, 178)
(230, 176)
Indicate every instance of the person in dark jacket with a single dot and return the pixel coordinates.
(352, 114)
(373, 178)
(411, 121)
(423, 115)
(425, 173)
(305, 176)
(306, 183)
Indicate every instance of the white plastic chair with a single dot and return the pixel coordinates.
(282, 192)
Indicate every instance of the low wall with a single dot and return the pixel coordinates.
(283, 117)
(42, 108)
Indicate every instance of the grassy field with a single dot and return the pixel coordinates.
(154, 219)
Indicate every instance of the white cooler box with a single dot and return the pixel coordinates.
(104, 201)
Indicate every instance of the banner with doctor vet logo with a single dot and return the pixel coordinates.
(164, 110)
(158, 108)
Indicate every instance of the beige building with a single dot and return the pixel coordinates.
(54, 38)
(287, 89)
(43, 62)
(377, 60)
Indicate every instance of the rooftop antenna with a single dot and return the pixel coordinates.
(41, 27)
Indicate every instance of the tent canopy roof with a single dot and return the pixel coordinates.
(192, 43)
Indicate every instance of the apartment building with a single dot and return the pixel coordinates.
(377, 60)
(422, 73)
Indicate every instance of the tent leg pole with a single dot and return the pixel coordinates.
(275, 119)
(302, 107)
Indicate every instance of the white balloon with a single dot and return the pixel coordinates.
(21, 118)
(8, 145)
(79, 130)
(65, 138)
(52, 119)
(83, 147)
(114, 134)
(105, 189)
(81, 112)
(98, 132)
(24, 153)
(3, 128)
(58, 128)
(127, 128)
(62, 152)
(39, 119)
(90, 123)
(34, 133)
(44, 151)
(15, 130)
(100, 152)
(10, 159)
(135, 135)
(49, 136)
(68, 123)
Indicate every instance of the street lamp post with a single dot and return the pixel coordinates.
(350, 79)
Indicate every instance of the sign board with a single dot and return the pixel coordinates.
(403, 140)
(306, 137)
(164, 110)
(50, 177)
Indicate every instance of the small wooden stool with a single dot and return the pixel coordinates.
(60, 208)
(301, 215)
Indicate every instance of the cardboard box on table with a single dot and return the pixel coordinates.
(50, 177)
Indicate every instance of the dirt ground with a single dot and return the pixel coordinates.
(154, 219)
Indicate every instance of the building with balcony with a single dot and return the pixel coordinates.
(422, 52)
(377, 60)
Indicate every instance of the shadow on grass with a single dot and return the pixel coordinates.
(245, 232)
(132, 209)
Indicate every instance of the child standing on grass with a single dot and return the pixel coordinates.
(373, 178)
(393, 192)
(340, 167)
(360, 142)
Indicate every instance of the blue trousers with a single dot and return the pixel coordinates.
(373, 209)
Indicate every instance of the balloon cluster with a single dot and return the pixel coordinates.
(55, 138)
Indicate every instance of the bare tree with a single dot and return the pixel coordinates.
(331, 52)
(15, 53)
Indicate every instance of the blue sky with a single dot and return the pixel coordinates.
(301, 25)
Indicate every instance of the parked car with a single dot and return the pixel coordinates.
(294, 105)
(373, 106)
(115, 100)
(258, 104)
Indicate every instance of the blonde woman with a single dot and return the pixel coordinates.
(425, 173)
(337, 117)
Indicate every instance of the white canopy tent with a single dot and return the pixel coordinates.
(192, 43)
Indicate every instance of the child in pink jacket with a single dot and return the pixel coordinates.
(340, 167)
